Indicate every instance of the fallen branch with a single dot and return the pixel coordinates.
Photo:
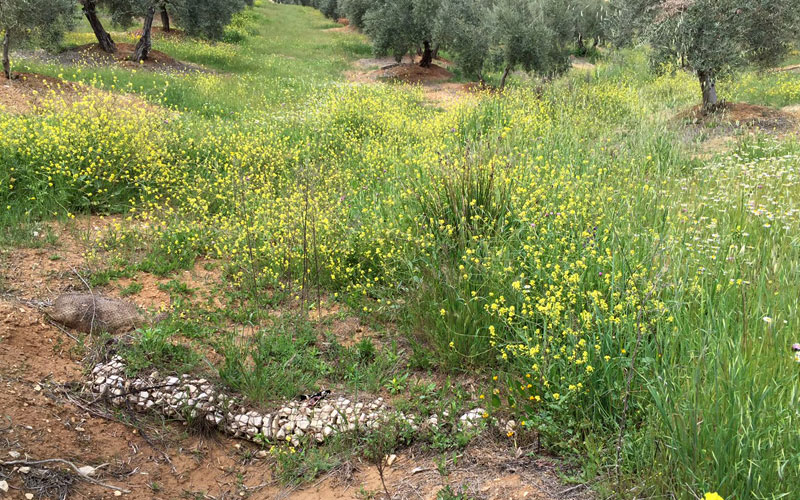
(94, 299)
(70, 465)
(63, 330)
(574, 488)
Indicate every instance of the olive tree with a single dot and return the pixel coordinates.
(124, 12)
(529, 34)
(397, 27)
(205, 18)
(589, 20)
(201, 18)
(103, 37)
(165, 20)
(712, 37)
(329, 8)
(43, 21)
(461, 26)
(354, 10)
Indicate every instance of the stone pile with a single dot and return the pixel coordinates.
(189, 399)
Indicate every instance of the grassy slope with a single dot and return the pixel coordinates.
(699, 256)
(282, 59)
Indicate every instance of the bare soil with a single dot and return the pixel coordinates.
(720, 129)
(793, 67)
(742, 115)
(433, 81)
(43, 415)
(582, 63)
(410, 73)
(26, 90)
(92, 55)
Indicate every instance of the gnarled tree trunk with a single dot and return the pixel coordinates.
(708, 84)
(144, 44)
(164, 18)
(581, 45)
(103, 38)
(6, 58)
(427, 55)
(506, 72)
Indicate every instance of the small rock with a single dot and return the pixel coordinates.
(391, 459)
(261, 454)
(87, 470)
(37, 387)
(117, 493)
(4, 486)
(29, 496)
(24, 470)
(13, 454)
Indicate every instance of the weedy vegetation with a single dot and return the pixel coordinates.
(629, 299)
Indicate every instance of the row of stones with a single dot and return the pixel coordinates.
(187, 398)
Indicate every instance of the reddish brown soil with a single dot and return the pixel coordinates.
(742, 115)
(92, 54)
(719, 130)
(414, 73)
(41, 418)
(793, 67)
(26, 90)
(433, 81)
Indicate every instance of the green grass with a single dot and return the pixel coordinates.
(551, 241)
(154, 348)
(287, 57)
(131, 289)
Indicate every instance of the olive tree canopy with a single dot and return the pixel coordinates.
(712, 37)
(43, 21)
(398, 27)
(530, 34)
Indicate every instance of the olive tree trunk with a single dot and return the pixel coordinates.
(164, 19)
(6, 58)
(506, 72)
(144, 44)
(708, 85)
(427, 55)
(103, 38)
(581, 45)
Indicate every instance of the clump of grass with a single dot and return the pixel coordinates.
(158, 348)
(277, 363)
(132, 289)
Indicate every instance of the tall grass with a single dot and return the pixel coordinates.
(564, 243)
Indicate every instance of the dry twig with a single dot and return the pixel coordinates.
(70, 465)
